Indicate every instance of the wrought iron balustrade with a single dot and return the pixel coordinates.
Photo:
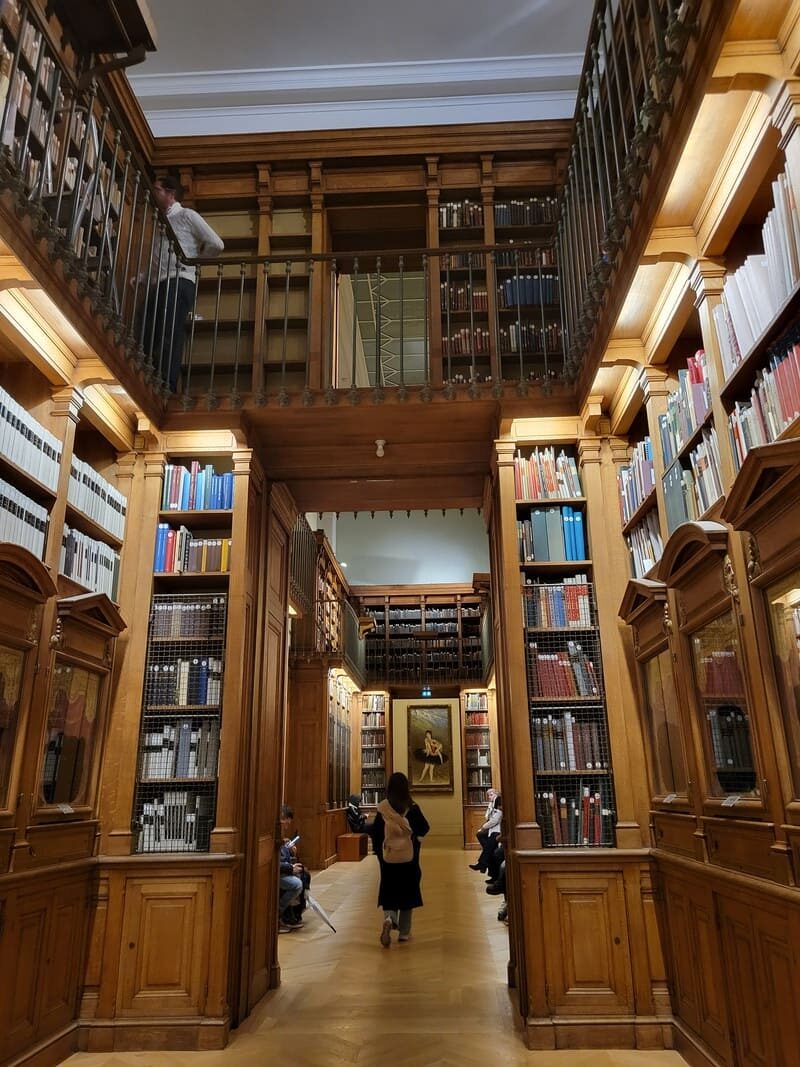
(634, 57)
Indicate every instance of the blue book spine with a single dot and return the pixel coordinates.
(202, 682)
(185, 483)
(207, 486)
(227, 479)
(569, 535)
(579, 535)
(199, 490)
(161, 546)
(559, 603)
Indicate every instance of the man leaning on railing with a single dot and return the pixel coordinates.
(171, 297)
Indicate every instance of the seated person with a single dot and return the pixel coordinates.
(294, 878)
(489, 834)
(356, 819)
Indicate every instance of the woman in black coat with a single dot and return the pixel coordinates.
(398, 819)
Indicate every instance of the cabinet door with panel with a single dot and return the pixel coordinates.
(696, 961)
(760, 962)
(64, 956)
(587, 952)
(165, 939)
(21, 964)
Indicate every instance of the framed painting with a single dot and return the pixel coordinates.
(430, 748)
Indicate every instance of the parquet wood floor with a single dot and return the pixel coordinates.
(436, 1001)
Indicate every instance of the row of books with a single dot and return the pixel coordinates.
(474, 701)
(477, 739)
(203, 617)
(576, 816)
(551, 534)
(90, 563)
(479, 776)
(546, 476)
(636, 480)
(460, 213)
(530, 337)
(193, 489)
(645, 544)
(462, 297)
(373, 719)
(26, 443)
(569, 743)
(176, 821)
(690, 492)
(752, 295)
(370, 796)
(373, 757)
(374, 701)
(687, 407)
(524, 256)
(774, 404)
(185, 749)
(567, 605)
(178, 552)
(566, 673)
(532, 211)
(92, 495)
(22, 521)
(373, 737)
(476, 718)
(465, 342)
(373, 778)
(729, 728)
(479, 757)
(528, 289)
(184, 682)
(720, 675)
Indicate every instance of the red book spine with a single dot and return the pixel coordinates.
(598, 832)
(169, 562)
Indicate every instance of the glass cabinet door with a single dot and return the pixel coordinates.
(717, 658)
(783, 600)
(12, 666)
(71, 734)
(663, 723)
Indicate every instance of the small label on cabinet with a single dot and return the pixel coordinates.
(66, 809)
(731, 801)
(670, 797)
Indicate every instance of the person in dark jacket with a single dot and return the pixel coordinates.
(399, 891)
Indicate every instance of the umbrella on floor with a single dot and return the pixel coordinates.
(317, 907)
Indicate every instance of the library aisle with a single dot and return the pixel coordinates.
(440, 999)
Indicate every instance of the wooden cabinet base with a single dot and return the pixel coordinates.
(154, 1035)
(634, 1033)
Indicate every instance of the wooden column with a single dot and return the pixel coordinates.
(786, 116)
(140, 478)
(656, 388)
(599, 460)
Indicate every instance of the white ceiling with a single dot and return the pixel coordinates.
(248, 66)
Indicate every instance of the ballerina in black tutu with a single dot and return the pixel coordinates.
(432, 755)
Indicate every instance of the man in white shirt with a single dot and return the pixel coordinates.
(173, 283)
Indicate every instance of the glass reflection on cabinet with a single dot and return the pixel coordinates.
(783, 598)
(669, 769)
(716, 652)
(12, 663)
(71, 730)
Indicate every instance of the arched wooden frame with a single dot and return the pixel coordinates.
(87, 626)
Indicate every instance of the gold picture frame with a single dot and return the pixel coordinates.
(430, 748)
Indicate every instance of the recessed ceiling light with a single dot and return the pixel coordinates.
(343, 564)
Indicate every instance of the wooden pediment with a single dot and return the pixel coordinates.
(688, 547)
(93, 610)
(641, 595)
(21, 570)
(769, 478)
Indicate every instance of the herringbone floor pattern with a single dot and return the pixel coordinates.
(436, 1001)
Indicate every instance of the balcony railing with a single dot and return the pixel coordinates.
(634, 57)
(490, 318)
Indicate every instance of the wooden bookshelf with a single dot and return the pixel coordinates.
(375, 736)
(649, 502)
(739, 382)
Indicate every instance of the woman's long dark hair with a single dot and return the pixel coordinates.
(398, 792)
(498, 803)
